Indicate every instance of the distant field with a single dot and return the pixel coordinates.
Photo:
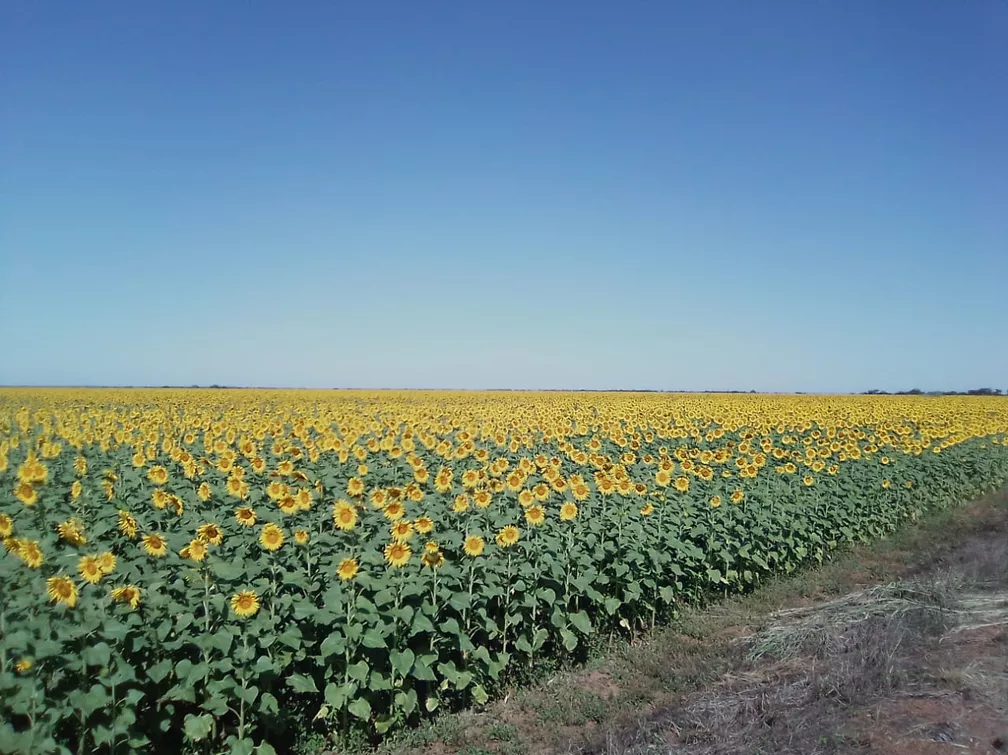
(207, 571)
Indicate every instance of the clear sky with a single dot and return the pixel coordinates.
(779, 195)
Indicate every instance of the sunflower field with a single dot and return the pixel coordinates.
(214, 571)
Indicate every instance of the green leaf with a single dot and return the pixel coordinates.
(334, 644)
(160, 670)
(268, 703)
(569, 640)
(360, 708)
(215, 705)
(581, 622)
(221, 640)
(406, 701)
(302, 683)
(264, 748)
(358, 671)
(479, 694)
(373, 639)
(263, 665)
(402, 661)
(337, 695)
(198, 727)
(97, 655)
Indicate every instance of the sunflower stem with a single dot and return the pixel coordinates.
(244, 681)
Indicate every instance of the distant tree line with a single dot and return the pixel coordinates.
(919, 392)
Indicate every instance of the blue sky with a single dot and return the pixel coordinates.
(784, 195)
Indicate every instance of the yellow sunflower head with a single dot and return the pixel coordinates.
(473, 546)
(397, 554)
(62, 590)
(271, 537)
(508, 536)
(348, 569)
(245, 604)
(344, 515)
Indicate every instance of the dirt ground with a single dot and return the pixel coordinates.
(899, 647)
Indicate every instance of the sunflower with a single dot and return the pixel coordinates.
(285, 468)
(258, 464)
(129, 594)
(288, 505)
(397, 554)
(647, 510)
(507, 536)
(424, 525)
(6, 525)
(355, 487)
(473, 546)
(62, 590)
(580, 491)
(30, 553)
(155, 545)
(401, 531)
(301, 537)
(482, 499)
(434, 559)
(26, 494)
(204, 491)
(303, 498)
(276, 490)
(245, 604)
(271, 537)
(808, 480)
(210, 533)
(159, 498)
(526, 498)
(461, 504)
(470, 478)
(663, 478)
(737, 496)
(541, 491)
(682, 483)
(378, 498)
(568, 511)
(107, 562)
(89, 569)
(245, 516)
(443, 480)
(80, 466)
(535, 515)
(195, 551)
(23, 665)
(344, 515)
(886, 484)
(606, 485)
(176, 504)
(70, 531)
(75, 490)
(715, 501)
(347, 569)
(421, 475)
(394, 511)
(236, 487)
